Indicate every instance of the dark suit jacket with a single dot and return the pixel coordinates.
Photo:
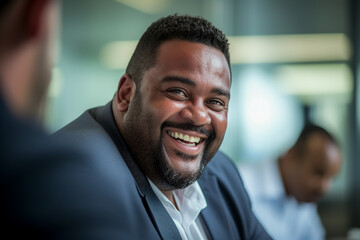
(49, 189)
(228, 213)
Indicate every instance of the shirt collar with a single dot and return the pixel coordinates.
(189, 200)
(272, 179)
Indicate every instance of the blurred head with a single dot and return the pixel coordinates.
(27, 30)
(171, 105)
(311, 164)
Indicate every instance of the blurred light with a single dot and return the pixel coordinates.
(289, 48)
(116, 55)
(56, 83)
(271, 120)
(256, 49)
(315, 79)
(146, 6)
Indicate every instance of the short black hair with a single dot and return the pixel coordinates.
(309, 130)
(184, 27)
(4, 4)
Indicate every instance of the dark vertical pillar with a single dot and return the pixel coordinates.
(354, 10)
(306, 112)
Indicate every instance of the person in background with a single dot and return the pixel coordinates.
(165, 125)
(49, 187)
(284, 193)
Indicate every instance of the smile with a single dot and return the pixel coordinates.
(185, 139)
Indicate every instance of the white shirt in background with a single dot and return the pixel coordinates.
(282, 216)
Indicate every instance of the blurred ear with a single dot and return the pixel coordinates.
(125, 92)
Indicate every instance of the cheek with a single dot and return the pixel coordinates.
(165, 109)
(302, 179)
(219, 122)
(312, 183)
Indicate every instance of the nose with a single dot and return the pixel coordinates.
(197, 113)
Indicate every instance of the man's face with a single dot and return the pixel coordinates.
(27, 55)
(178, 116)
(316, 169)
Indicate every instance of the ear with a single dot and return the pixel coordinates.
(125, 92)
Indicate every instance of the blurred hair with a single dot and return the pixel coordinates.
(18, 19)
(4, 5)
(13, 22)
(307, 132)
(188, 28)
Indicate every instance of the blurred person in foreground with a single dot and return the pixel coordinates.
(284, 193)
(48, 188)
(166, 122)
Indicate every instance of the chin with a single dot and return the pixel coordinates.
(176, 178)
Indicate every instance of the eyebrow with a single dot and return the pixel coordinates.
(222, 92)
(191, 83)
(183, 80)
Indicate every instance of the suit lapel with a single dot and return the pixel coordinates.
(161, 219)
(215, 214)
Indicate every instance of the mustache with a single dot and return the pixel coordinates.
(190, 127)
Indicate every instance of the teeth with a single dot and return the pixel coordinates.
(187, 138)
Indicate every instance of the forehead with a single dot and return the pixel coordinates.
(197, 60)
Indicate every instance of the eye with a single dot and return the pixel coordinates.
(177, 93)
(216, 104)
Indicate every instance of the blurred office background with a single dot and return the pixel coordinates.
(292, 62)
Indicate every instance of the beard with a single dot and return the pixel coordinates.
(150, 154)
(172, 178)
(152, 158)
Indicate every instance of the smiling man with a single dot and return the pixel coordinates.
(177, 121)
(166, 122)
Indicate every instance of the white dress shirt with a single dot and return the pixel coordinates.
(282, 216)
(190, 202)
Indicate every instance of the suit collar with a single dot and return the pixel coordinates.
(215, 216)
(158, 214)
(105, 117)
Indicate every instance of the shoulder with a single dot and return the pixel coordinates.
(310, 222)
(89, 134)
(261, 178)
(221, 165)
(223, 169)
(224, 189)
(49, 185)
(86, 122)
